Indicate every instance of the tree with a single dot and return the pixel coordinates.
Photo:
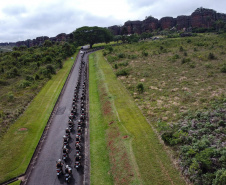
(92, 35)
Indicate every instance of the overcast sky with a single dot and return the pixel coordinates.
(28, 19)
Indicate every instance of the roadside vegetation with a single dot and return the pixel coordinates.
(23, 72)
(124, 148)
(21, 137)
(175, 82)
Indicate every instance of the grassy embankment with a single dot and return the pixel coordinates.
(18, 144)
(181, 78)
(121, 133)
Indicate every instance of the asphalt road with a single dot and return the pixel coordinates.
(44, 170)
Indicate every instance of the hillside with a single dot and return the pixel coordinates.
(179, 84)
(23, 72)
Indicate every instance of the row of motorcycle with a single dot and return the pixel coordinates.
(77, 113)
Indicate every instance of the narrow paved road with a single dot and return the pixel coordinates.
(44, 171)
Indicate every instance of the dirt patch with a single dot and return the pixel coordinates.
(111, 122)
(22, 129)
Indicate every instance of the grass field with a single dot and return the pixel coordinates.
(135, 154)
(180, 78)
(18, 144)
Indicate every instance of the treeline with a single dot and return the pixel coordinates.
(22, 74)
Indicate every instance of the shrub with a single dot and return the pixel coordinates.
(223, 69)
(124, 63)
(24, 83)
(37, 77)
(181, 49)
(104, 53)
(116, 66)
(144, 53)
(29, 78)
(10, 96)
(211, 56)
(3, 82)
(122, 72)
(111, 58)
(220, 177)
(50, 69)
(121, 55)
(185, 60)
(12, 73)
(140, 88)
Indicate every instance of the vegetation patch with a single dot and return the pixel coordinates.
(16, 146)
(135, 154)
(181, 76)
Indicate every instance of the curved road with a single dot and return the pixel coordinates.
(44, 170)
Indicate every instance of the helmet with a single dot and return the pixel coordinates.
(67, 128)
(65, 146)
(59, 160)
(67, 166)
(64, 136)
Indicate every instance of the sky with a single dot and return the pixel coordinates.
(27, 19)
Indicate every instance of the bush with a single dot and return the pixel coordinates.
(211, 56)
(220, 177)
(24, 83)
(10, 96)
(50, 69)
(116, 66)
(140, 88)
(122, 72)
(3, 82)
(29, 78)
(121, 55)
(112, 58)
(181, 49)
(144, 53)
(124, 63)
(185, 60)
(223, 69)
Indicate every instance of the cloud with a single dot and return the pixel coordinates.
(26, 19)
(14, 10)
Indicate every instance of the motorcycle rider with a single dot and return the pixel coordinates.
(67, 131)
(65, 150)
(77, 146)
(68, 169)
(78, 158)
(65, 139)
(59, 164)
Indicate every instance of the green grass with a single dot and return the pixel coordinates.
(148, 161)
(175, 82)
(17, 147)
(16, 183)
(100, 166)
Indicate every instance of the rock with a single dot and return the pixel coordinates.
(150, 24)
(183, 21)
(203, 18)
(167, 22)
(133, 27)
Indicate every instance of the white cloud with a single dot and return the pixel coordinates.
(26, 19)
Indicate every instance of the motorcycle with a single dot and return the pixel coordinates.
(77, 164)
(65, 156)
(68, 171)
(59, 172)
(67, 177)
(77, 152)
